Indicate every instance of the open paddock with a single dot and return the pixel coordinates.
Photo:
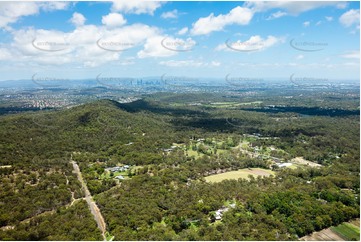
(242, 173)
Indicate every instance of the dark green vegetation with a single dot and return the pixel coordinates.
(167, 197)
(73, 223)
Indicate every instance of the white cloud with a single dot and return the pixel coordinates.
(136, 7)
(292, 7)
(5, 54)
(206, 25)
(77, 19)
(254, 43)
(78, 47)
(183, 31)
(113, 20)
(11, 12)
(153, 48)
(161, 46)
(275, 15)
(319, 23)
(352, 55)
(189, 63)
(215, 63)
(170, 14)
(342, 5)
(300, 57)
(181, 63)
(51, 6)
(306, 24)
(329, 18)
(350, 18)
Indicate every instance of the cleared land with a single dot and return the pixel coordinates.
(323, 235)
(343, 232)
(242, 173)
(301, 161)
(347, 231)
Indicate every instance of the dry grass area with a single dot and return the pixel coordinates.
(323, 235)
(301, 161)
(333, 233)
(355, 222)
(242, 173)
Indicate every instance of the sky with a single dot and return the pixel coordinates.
(268, 40)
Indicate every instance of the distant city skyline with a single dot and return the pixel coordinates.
(260, 40)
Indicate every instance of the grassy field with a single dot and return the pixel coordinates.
(194, 153)
(242, 173)
(347, 231)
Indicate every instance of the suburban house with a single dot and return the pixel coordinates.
(280, 165)
(118, 168)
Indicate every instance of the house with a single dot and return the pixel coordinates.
(277, 160)
(113, 169)
(280, 165)
(118, 168)
(167, 150)
(220, 212)
(218, 215)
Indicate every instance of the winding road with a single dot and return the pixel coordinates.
(89, 199)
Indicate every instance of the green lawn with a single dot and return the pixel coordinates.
(220, 151)
(242, 173)
(347, 231)
(108, 236)
(194, 153)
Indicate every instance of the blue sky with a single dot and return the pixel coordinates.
(268, 40)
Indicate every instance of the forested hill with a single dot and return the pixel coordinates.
(89, 127)
(173, 149)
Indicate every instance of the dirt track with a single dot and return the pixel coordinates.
(89, 199)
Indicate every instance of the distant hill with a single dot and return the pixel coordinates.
(89, 127)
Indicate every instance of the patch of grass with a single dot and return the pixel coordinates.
(242, 173)
(191, 152)
(108, 237)
(220, 151)
(347, 231)
(293, 167)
